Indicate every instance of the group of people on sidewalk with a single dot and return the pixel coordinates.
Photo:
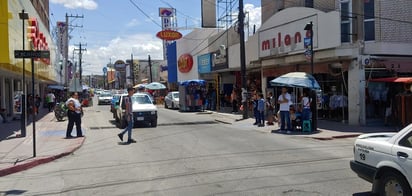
(289, 116)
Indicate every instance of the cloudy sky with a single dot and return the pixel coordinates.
(112, 30)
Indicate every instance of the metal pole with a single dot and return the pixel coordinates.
(150, 69)
(132, 67)
(33, 101)
(242, 56)
(314, 95)
(23, 16)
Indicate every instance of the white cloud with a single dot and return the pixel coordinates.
(254, 16)
(121, 48)
(134, 22)
(73, 4)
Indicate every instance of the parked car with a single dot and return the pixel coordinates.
(385, 160)
(144, 111)
(104, 98)
(172, 100)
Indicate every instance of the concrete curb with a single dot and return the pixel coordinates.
(336, 137)
(38, 161)
(224, 122)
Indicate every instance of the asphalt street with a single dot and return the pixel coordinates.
(192, 154)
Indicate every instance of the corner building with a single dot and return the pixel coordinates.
(356, 44)
(36, 37)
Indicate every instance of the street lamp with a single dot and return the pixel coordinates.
(23, 16)
(309, 27)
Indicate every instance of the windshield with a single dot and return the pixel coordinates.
(175, 95)
(105, 95)
(141, 99)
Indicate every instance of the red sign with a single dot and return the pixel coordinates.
(169, 35)
(185, 63)
(37, 38)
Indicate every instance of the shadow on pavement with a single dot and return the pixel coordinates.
(9, 129)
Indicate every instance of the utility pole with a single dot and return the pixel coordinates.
(242, 59)
(132, 69)
(66, 46)
(80, 61)
(150, 70)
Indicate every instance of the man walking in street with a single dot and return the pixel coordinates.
(74, 113)
(129, 117)
(284, 101)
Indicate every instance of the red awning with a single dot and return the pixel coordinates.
(393, 79)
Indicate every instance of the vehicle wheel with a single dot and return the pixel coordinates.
(166, 105)
(173, 105)
(393, 183)
(153, 123)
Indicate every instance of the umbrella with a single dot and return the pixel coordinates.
(296, 79)
(139, 86)
(155, 86)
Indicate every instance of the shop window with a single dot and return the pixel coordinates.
(369, 20)
(345, 15)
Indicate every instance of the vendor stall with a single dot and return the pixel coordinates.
(191, 95)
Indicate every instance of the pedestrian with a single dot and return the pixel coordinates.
(261, 110)
(37, 101)
(255, 108)
(233, 98)
(306, 106)
(129, 117)
(270, 109)
(284, 101)
(50, 98)
(74, 113)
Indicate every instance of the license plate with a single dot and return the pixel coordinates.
(140, 118)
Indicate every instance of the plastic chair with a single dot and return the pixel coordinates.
(306, 126)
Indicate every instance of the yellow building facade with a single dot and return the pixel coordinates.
(36, 36)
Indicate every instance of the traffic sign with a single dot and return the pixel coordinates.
(104, 70)
(31, 54)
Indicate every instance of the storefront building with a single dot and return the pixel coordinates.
(362, 41)
(36, 37)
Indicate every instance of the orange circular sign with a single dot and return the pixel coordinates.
(169, 35)
(185, 63)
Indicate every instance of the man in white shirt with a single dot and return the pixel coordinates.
(284, 101)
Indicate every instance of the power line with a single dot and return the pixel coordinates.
(131, 1)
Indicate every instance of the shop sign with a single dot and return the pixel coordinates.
(169, 35)
(204, 63)
(285, 39)
(288, 36)
(37, 39)
(185, 63)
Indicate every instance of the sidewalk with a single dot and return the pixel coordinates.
(16, 153)
(327, 130)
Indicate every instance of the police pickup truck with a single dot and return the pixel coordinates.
(385, 160)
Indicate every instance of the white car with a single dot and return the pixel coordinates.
(385, 160)
(104, 98)
(144, 111)
(172, 100)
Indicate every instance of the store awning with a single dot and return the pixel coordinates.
(393, 79)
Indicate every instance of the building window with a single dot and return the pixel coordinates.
(369, 20)
(309, 3)
(345, 16)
